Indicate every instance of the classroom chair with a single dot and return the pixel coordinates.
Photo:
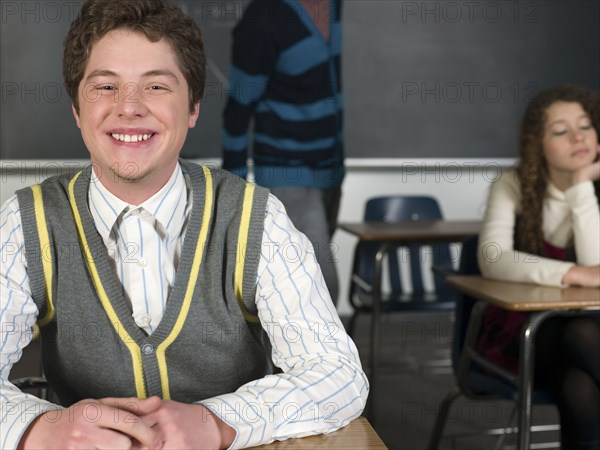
(471, 381)
(31, 366)
(420, 297)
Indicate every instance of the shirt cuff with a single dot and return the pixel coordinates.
(581, 194)
(251, 419)
(553, 273)
(17, 416)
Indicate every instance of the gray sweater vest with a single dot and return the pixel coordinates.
(209, 341)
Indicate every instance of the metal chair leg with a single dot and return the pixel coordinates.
(440, 421)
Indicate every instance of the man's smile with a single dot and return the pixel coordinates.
(131, 135)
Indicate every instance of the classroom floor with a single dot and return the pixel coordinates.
(415, 376)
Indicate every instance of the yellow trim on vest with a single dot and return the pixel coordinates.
(42, 229)
(134, 349)
(187, 299)
(242, 246)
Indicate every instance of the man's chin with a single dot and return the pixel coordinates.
(128, 177)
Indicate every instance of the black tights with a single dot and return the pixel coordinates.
(568, 364)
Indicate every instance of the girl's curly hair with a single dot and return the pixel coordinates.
(532, 170)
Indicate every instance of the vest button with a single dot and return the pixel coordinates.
(147, 349)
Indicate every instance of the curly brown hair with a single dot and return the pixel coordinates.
(532, 170)
(156, 19)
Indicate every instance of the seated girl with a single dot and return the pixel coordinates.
(542, 226)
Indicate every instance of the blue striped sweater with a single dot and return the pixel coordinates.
(286, 76)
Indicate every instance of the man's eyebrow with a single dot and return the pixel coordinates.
(101, 73)
(161, 73)
(150, 73)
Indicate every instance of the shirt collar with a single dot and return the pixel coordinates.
(104, 206)
(554, 192)
(168, 205)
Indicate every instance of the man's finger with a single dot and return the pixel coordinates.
(137, 406)
(120, 414)
(110, 440)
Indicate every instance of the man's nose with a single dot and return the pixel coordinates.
(131, 102)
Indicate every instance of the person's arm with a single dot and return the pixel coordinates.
(254, 55)
(585, 215)
(323, 386)
(18, 314)
(496, 255)
(28, 422)
(583, 202)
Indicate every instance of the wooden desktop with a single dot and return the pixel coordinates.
(357, 435)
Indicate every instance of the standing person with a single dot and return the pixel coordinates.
(166, 292)
(285, 74)
(542, 226)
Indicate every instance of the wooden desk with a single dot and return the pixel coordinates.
(526, 297)
(386, 235)
(542, 302)
(358, 435)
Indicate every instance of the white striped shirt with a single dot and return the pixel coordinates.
(322, 386)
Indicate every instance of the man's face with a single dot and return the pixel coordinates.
(134, 110)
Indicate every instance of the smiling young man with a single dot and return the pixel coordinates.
(135, 138)
(195, 283)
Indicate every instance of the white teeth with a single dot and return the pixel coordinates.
(131, 137)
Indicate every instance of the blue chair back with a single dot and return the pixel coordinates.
(402, 209)
(406, 209)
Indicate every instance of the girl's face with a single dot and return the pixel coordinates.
(570, 141)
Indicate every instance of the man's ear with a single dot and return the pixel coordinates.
(194, 116)
(76, 115)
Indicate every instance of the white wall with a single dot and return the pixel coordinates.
(460, 187)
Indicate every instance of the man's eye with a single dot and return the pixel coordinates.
(106, 87)
(156, 88)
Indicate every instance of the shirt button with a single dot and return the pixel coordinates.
(142, 262)
(147, 349)
(143, 320)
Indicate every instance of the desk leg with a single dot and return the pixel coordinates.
(526, 375)
(375, 350)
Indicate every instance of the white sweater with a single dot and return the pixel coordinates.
(572, 213)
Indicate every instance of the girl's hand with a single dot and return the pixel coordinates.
(586, 276)
(590, 172)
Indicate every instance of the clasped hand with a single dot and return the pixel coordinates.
(128, 423)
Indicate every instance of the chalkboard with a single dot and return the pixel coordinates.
(422, 79)
(451, 79)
